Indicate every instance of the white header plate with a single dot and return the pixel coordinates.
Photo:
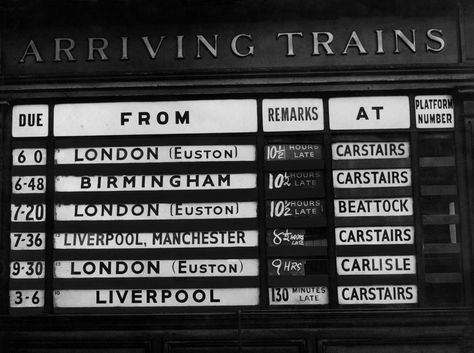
(30, 120)
(434, 112)
(151, 118)
(103, 298)
(371, 113)
(158, 240)
(383, 294)
(301, 114)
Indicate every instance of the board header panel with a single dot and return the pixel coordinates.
(301, 114)
(150, 118)
(360, 113)
(230, 47)
(434, 111)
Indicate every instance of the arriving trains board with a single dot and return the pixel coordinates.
(144, 206)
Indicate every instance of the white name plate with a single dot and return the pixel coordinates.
(151, 118)
(102, 298)
(158, 240)
(155, 268)
(390, 235)
(434, 112)
(155, 154)
(369, 113)
(155, 211)
(29, 156)
(27, 241)
(299, 114)
(298, 296)
(31, 184)
(26, 269)
(376, 265)
(30, 120)
(383, 294)
(35, 212)
(155, 182)
(371, 178)
(26, 298)
(370, 150)
(400, 206)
